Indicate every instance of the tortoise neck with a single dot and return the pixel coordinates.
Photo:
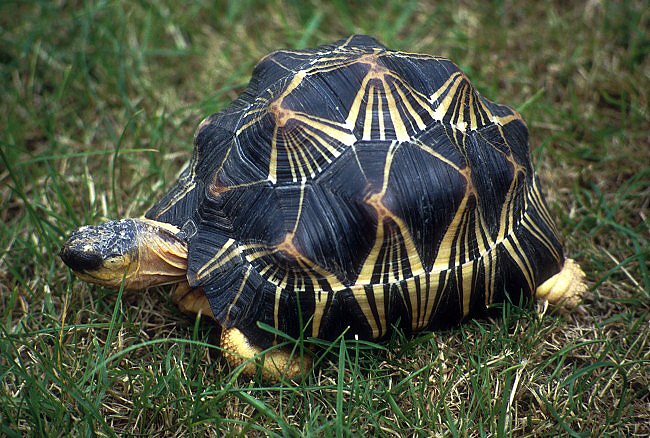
(162, 256)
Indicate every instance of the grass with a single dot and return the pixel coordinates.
(98, 104)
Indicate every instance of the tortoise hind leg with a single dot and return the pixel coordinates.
(277, 363)
(566, 287)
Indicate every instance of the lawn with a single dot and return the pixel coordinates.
(98, 104)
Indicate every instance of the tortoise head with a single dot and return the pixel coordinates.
(140, 252)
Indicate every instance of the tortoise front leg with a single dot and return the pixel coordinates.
(191, 300)
(237, 349)
(275, 364)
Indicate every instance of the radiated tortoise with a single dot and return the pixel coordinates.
(349, 189)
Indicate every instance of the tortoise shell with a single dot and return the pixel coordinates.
(351, 188)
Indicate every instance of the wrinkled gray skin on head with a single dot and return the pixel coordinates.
(141, 252)
(91, 246)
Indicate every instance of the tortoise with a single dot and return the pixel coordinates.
(350, 189)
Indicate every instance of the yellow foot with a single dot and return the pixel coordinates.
(564, 288)
(191, 301)
(276, 363)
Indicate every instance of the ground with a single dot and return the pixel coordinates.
(99, 101)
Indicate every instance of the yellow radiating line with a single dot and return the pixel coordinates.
(360, 296)
(487, 111)
(399, 273)
(276, 307)
(490, 276)
(524, 265)
(443, 258)
(506, 119)
(367, 124)
(264, 270)
(415, 262)
(319, 311)
(486, 252)
(231, 255)
(430, 151)
(334, 151)
(539, 204)
(306, 160)
(380, 115)
(239, 291)
(398, 123)
(371, 261)
(313, 142)
(273, 158)
(440, 91)
(421, 99)
(295, 82)
(350, 121)
(467, 285)
(191, 183)
(407, 286)
(472, 113)
(300, 202)
(537, 233)
(301, 160)
(290, 151)
(414, 303)
(505, 210)
(428, 296)
(248, 124)
(410, 109)
(466, 233)
(282, 281)
(319, 303)
(202, 272)
(459, 109)
(347, 138)
(177, 197)
(541, 207)
(328, 277)
(383, 273)
(403, 290)
(444, 106)
(458, 240)
(387, 165)
(257, 254)
(380, 306)
(365, 276)
(482, 233)
(259, 109)
(412, 55)
(311, 119)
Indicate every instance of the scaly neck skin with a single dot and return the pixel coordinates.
(162, 256)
